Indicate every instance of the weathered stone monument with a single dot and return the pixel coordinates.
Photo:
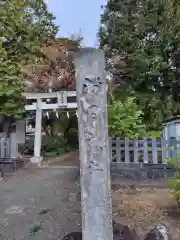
(94, 150)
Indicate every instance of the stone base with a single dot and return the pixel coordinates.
(141, 172)
(36, 160)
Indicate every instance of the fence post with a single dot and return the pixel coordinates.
(154, 151)
(118, 150)
(13, 145)
(8, 147)
(126, 149)
(136, 156)
(166, 151)
(145, 151)
(2, 141)
(94, 146)
(110, 150)
(163, 150)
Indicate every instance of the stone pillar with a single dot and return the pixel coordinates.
(38, 135)
(94, 146)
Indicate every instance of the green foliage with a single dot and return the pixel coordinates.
(27, 148)
(11, 85)
(51, 146)
(25, 27)
(72, 136)
(45, 211)
(143, 38)
(35, 229)
(71, 130)
(154, 134)
(174, 183)
(125, 119)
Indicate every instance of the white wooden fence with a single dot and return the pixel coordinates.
(5, 147)
(152, 151)
(8, 147)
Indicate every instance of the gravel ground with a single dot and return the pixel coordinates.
(39, 204)
(144, 208)
(44, 204)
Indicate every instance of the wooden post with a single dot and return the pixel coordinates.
(94, 146)
(37, 140)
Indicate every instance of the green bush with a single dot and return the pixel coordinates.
(27, 148)
(174, 183)
(51, 146)
(125, 119)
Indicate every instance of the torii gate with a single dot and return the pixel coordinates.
(62, 101)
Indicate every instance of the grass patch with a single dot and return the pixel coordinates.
(35, 229)
(44, 211)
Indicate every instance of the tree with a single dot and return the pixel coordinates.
(25, 26)
(58, 71)
(125, 119)
(141, 40)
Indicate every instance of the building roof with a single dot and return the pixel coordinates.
(172, 119)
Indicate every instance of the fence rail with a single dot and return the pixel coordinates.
(152, 151)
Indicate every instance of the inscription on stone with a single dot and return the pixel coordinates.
(92, 106)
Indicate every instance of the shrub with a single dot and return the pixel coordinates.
(125, 119)
(27, 148)
(174, 183)
(51, 146)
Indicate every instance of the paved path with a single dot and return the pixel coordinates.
(39, 202)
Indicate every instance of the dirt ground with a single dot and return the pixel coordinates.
(144, 208)
(68, 159)
(39, 204)
(44, 204)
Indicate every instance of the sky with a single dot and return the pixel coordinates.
(77, 16)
